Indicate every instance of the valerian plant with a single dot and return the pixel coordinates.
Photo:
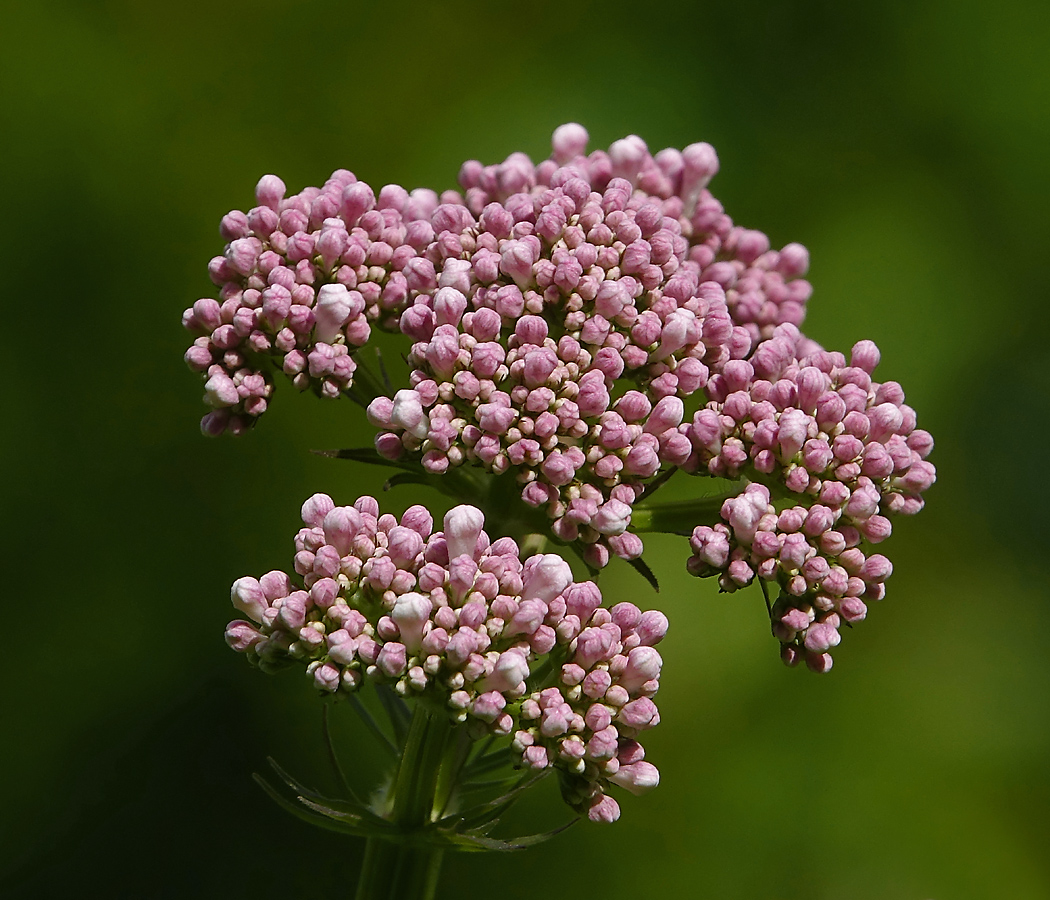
(578, 333)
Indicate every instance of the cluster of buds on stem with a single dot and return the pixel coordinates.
(302, 281)
(572, 320)
(452, 619)
(842, 454)
(588, 326)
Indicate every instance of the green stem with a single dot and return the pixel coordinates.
(681, 516)
(410, 870)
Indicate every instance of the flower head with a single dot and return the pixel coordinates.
(576, 311)
(841, 454)
(462, 620)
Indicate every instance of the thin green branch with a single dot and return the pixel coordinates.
(372, 725)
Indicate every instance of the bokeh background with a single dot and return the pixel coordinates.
(905, 144)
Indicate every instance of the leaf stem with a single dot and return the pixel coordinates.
(408, 870)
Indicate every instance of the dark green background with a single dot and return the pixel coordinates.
(904, 143)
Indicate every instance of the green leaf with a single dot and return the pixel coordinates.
(682, 516)
(310, 818)
(366, 382)
(372, 725)
(642, 568)
(488, 762)
(478, 841)
(333, 757)
(405, 478)
(351, 806)
(371, 825)
(368, 455)
(484, 812)
(396, 710)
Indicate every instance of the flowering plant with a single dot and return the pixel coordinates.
(578, 333)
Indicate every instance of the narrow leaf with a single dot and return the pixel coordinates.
(333, 757)
(642, 568)
(396, 710)
(351, 806)
(310, 818)
(367, 455)
(478, 841)
(488, 762)
(383, 372)
(530, 840)
(372, 725)
(474, 815)
(405, 478)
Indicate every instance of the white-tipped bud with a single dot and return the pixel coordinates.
(410, 614)
(545, 577)
(637, 778)
(407, 413)
(331, 311)
(463, 526)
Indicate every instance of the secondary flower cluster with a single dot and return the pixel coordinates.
(839, 450)
(461, 620)
(302, 280)
(764, 287)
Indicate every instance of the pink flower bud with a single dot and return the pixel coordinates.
(270, 191)
(392, 659)
(407, 413)
(612, 518)
(410, 613)
(535, 757)
(638, 778)
(341, 525)
(652, 627)
(449, 306)
(247, 595)
(527, 618)
(603, 809)
(568, 142)
(331, 312)
(545, 577)
(639, 714)
(489, 705)
(865, 355)
(643, 664)
(667, 414)
(876, 569)
(463, 526)
(699, 166)
(792, 433)
(220, 391)
(581, 600)
(241, 636)
(510, 670)
(919, 477)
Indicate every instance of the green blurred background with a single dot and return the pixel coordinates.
(904, 144)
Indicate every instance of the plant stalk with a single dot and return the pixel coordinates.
(410, 870)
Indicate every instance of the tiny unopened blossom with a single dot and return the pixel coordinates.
(461, 619)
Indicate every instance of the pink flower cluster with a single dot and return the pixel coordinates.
(461, 619)
(840, 452)
(764, 287)
(302, 280)
(588, 722)
(565, 318)
(567, 328)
